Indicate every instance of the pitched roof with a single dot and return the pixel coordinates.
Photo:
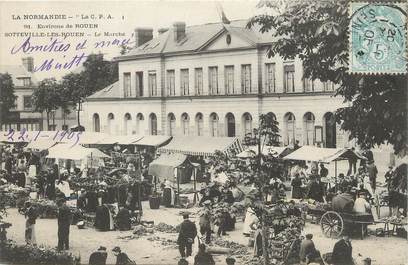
(111, 91)
(17, 71)
(196, 38)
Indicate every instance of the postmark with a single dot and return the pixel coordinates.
(378, 38)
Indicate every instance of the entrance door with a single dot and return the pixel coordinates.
(330, 125)
(230, 125)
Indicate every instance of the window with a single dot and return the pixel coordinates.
(184, 80)
(152, 83)
(289, 78)
(139, 120)
(229, 79)
(199, 124)
(246, 78)
(126, 85)
(290, 126)
(308, 127)
(198, 81)
(111, 125)
(171, 90)
(185, 123)
(27, 102)
(213, 80)
(153, 124)
(26, 81)
(308, 85)
(328, 86)
(96, 123)
(247, 123)
(127, 130)
(230, 119)
(270, 78)
(172, 123)
(139, 84)
(214, 124)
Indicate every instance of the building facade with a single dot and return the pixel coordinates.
(213, 80)
(22, 116)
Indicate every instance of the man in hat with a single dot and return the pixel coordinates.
(98, 257)
(121, 257)
(203, 257)
(343, 252)
(308, 252)
(187, 234)
(31, 214)
(64, 221)
(372, 174)
(205, 222)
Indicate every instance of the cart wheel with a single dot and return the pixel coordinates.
(332, 224)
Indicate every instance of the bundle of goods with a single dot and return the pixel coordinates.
(165, 228)
(286, 244)
(15, 196)
(166, 242)
(45, 208)
(29, 254)
(235, 249)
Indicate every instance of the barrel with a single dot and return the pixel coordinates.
(154, 202)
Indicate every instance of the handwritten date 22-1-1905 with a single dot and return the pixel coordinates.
(58, 136)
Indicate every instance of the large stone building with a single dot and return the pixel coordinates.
(22, 115)
(214, 80)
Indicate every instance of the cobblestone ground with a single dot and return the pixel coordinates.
(382, 250)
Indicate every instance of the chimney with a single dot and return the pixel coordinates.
(28, 63)
(179, 29)
(143, 35)
(162, 30)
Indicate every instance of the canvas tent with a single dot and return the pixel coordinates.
(202, 146)
(252, 151)
(41, 145)
(76, 152)
(322, 155)
(152, 140)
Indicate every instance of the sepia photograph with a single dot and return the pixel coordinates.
(203, 132)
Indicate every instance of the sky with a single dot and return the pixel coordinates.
(125, 17)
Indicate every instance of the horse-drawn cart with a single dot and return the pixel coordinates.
(334, 223)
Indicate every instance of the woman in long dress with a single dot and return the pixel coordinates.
(250, 218)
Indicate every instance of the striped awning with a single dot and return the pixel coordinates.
(202, 146)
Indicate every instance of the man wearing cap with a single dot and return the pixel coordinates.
(203, 257)
(343, 252)
(121, 257)
(308, 252)
(187, 234)
(64, 221)
(205, 222)
(98, 257)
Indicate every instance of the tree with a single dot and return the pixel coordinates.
(97, 74)
(48, 97)
(7, 97)
(316, 33)
(263, 168)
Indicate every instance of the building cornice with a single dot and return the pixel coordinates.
(170, 98)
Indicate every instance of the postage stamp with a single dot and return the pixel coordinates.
(378, 38)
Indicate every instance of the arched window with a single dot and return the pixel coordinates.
(214, 124)
(329, 130)
(153, 124)
(230, 121)
(199, 124)
(247, 123)
(185, 123)
(96, 123)
(127, 128)
(273, 115)
(139, 121)
(308, 128)
(171, 120)
(111, 123)
(290, 127)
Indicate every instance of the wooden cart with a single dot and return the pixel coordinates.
(333, 223)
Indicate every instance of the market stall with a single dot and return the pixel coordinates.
(202, 146)
(175, 168)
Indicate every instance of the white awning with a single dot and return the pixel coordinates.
(76, 152)
(324, 155)
(152, 140)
